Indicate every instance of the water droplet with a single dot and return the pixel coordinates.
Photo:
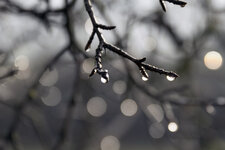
(144, 78)
(170, 78)
(173, 127)
(87, 50)
(103, 80)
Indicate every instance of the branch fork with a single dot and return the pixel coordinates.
(103, 45)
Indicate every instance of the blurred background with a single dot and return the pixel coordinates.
(48, 101)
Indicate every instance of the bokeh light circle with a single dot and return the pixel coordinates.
(213, 60)
(128, 107)
(96, 106)
(110, 143)
(172, 127)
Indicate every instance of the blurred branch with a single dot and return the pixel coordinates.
(28, 98)
(9, 74)
(160, 21)
(40, 15)
(67, 122)
(104, 45)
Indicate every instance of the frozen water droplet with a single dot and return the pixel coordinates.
(170, 78)
(103, 80)
(144, 78)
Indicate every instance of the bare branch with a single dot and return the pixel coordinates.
(104, 45)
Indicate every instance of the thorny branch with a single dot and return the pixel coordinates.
(103, 45)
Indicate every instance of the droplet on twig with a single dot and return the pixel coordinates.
(87, 50)
(144, 78)
(104, 76)
(170, 78)
(103, 80)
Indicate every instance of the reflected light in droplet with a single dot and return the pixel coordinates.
(96, 106)
(144, 78)
(172, 127)
(88, 26)
(170, 78)
(119, 87)
(213, 60)
(210, 109)
(87, 50)
(103, 80)
(22, 62)
(49, 78)
(52, 98)
(156, 130)
(156, 111)
(128, 107)
(110, 143)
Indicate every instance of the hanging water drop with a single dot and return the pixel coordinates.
(104, 76)
(170, 78)
(87, 50)
(103, 80)
(144, 78)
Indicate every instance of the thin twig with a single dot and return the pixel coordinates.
(175, 2)
(104, 45)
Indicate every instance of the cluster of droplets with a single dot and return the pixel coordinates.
(169, 78)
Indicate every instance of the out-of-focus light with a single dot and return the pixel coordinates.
(119, 87)
(218, 4)
(88, 65)
(172, 127)
(110, 143)
(210, 109)
(170, 78)
(221, 100)
(49, 78)
(96, 106)
(156, 130)
(128, 107)
(213, 60)
(156, 111)
(52, 98)
(22, 62)
(88, 26)
(144, 78)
